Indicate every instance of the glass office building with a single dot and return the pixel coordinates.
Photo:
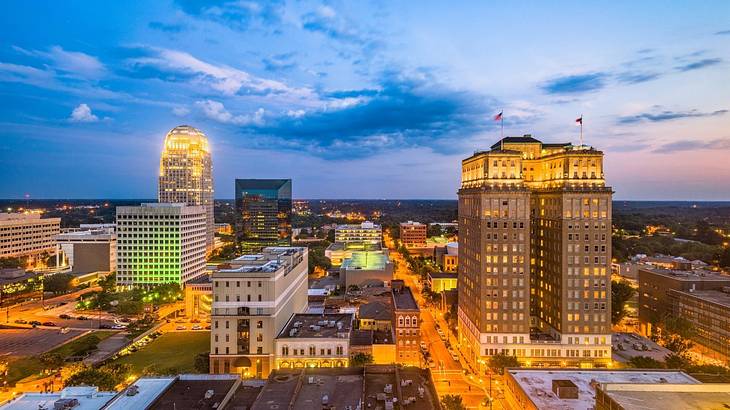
(263, 213)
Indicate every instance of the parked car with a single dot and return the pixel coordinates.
(65, 330)
(49, 324)
(64, 316)
(196, 327)
(105, 326)
(181, 327)
(82, 318)
(119, 327)
(207, 327)
(35, 323)
(21, 322)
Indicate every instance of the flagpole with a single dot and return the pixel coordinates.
(501, 121)
(581, 130)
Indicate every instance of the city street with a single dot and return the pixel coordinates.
(448, 375)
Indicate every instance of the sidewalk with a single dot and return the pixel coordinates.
(107, 348)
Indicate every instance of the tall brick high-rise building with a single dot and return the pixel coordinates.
(535, 254)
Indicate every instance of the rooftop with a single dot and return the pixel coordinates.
(195, 392)
(363, 225)
(375, 310)
(537, 384)
(148, 390)
(326, 325)
(270, 260)
(526, 139)
(366, 260)
(714, 296)
(355, 246)
(442, 275)
(669, 396)
(89, 398)
(687, 275)
(411, 223)
(403, 298)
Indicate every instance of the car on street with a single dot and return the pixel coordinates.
(181, 327)
(196, 327)
(34, 323)
(119, 327)
(65, 330)
(21, 322)
(49, 324)
(105, 326)
(82, 318)
(64, 316)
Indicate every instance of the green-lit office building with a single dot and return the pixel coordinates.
(263, 213)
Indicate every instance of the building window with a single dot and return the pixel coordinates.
(260, 324)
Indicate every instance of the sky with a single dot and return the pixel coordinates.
(360, 99)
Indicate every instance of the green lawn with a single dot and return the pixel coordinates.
(26, 366)
(172, 352)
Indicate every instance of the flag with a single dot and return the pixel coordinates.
(498, 117)
(579, 120)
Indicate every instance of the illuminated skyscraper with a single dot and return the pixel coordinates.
(535, 254)
(186, 173)
(263, 213)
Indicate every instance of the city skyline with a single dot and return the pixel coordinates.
(301, 90)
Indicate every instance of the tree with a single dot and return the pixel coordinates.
(93, 377)
(676, 334)
(499, 361)
(51, 360)
(644, 362)
(57, 283)
(361, 359)
(453, 402)
(725, 258)
(621, 292)
(130, 307)
(18, 262)
(202, 362)
(678, 361)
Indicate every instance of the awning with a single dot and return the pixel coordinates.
(242, 362)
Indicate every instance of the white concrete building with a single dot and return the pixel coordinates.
(315, 340)
(253, 298)
(27, 234)
(366, 232)
(160, 243)
(91, 248)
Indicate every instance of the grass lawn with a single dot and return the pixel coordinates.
(30, 365)
(171, 351)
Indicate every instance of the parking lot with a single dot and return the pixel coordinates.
(31, 342)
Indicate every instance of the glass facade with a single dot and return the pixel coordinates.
(263, 213)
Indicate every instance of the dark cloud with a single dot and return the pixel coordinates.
(575, 84)
(693, 145)
(696, 65)
(666, 115)
(403, 112)
(723, 33)
(167, 28)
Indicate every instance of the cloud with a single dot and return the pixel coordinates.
(238, 15)
(403, 111)
(83, 113)
(180, 111)
(216, 111)
(636, 77)
(723, 33)
(575, 84)
(222, 78)
(666, 115)
(73, 63)
(696, 65)
(165, 27)
(325, 20)
(279, 62)
(693, 145)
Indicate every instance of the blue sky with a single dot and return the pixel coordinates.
(360, 100)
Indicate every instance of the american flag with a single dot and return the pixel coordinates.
(498, 116)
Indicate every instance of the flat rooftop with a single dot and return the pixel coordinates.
(688, 275)
(355, 246)
(89, 399)
(270, 260)
(279, 390)
(149, 389)
(342, 387)
(365, 260)
(537, 384)
(325, 325)
(403, 299)
(714, 296)
(189, 392)
(375, 310)
(670, 396)
(442, 275)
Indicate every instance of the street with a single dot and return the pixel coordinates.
(448, 375)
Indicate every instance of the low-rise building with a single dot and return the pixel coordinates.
(442, 281)
(709, 313)
(450, 259)
(413, 234)
(375, 316)
(363, 232)
(661, 396)
(337, 252)
(656, 299)
(366, 267)
(27, 235)
(91, 248)
(254, 296)
(199, 297)
(407, 320)
(78, 397)
(315, 340)
(577, 389)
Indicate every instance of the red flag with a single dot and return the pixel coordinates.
(579, 120)
(498, 116)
